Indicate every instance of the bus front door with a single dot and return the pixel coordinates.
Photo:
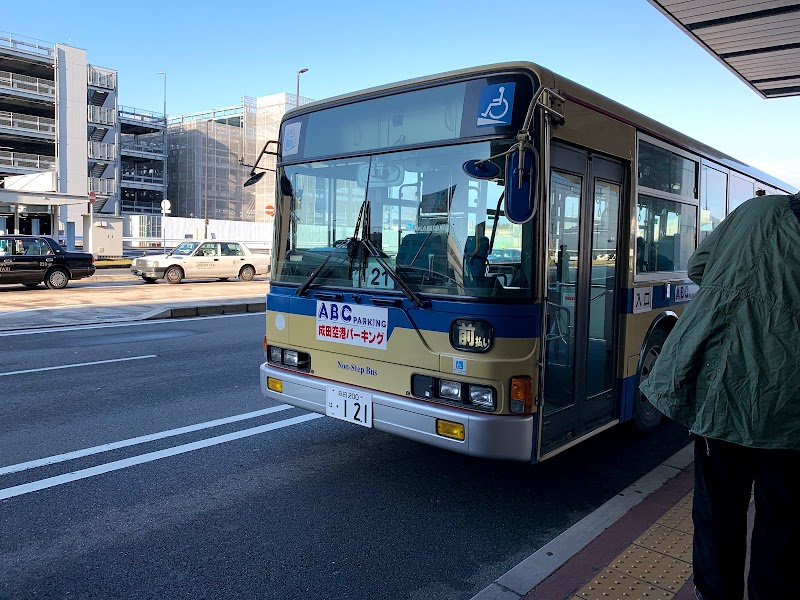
(583, 223)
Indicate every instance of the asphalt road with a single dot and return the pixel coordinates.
(278, 504)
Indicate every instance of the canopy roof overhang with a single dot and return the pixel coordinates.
(14, 197)
(758, 40)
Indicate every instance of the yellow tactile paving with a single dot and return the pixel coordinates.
(655, 566)
(671, 542)
(652, 567)
(610, 584)
(678, 518)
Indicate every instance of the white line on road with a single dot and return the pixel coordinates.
(42, 484)
(60, 328)
(86, 364)
(222, 296)
(57, 458)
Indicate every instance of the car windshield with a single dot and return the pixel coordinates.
(186, 248)
(418, 211)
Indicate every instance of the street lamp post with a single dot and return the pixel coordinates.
(297, 95)
(166, 148)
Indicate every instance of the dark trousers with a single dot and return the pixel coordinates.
(725, 474)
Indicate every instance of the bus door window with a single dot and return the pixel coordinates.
(562, 277)
(599, 370)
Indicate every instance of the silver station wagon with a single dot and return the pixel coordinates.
(207, 259)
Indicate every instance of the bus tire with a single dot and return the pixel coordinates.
(645, 415)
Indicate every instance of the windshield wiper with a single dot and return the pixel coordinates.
(307, 283)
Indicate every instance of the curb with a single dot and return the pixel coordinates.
(532, 571)
(182, 312)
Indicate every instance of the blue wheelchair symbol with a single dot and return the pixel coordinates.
(496, 104)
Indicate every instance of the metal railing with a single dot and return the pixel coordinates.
(104, 78)
(106, 187)
(26, 44)
(144, 116)
(26, 161)
(15, 81)
(140, 207)
(156, 146)
(102, 151)
(143, 176)
(103, 116)
(20, 121)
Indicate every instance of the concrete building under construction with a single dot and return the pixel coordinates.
(212, 152)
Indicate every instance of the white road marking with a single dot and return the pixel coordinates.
(112, 304)
(58, 328)
(86, 364)
(57, 458)
(42, 484)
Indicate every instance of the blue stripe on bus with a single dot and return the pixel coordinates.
(507, 320)
(627, 394)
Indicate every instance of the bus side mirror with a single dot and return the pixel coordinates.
(522, 184)
(254, 179)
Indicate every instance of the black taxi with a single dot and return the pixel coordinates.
(33, 259)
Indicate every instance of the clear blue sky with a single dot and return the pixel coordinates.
(217, 52)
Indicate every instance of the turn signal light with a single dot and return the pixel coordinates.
(276, 385)
(521, 395)
(450, 429)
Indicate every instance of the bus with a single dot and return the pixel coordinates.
(487, 260)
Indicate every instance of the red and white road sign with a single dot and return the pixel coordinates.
(270, 210)
(92, 197)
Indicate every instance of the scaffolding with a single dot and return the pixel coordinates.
(206, 171)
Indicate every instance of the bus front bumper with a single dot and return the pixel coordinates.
(487, 436)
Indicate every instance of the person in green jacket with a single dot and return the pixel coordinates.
(730, 372)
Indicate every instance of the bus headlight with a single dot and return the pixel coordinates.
(290, 358)
(451, 390)
(482, 396)
(275, 354)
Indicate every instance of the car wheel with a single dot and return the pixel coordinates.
(56, 279)
(149, 279)
(645, 415)
(31, 285)
(247, 273)
(173, 275)
(223, 278)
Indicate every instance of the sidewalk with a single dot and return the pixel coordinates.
(637, 545)
(76, 305)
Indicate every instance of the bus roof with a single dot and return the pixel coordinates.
(575, 92)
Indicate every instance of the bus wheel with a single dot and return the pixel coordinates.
(645, 415)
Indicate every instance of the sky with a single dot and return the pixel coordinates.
(214, 53)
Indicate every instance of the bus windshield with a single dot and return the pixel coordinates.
(435, 228)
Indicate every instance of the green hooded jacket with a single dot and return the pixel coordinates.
(730, 369)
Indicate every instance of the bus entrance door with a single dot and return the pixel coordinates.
(578, 393)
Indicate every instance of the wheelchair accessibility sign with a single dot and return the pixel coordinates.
(496, 104)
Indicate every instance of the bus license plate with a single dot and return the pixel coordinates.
(348, 405)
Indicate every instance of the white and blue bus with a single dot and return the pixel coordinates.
(487, 260)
